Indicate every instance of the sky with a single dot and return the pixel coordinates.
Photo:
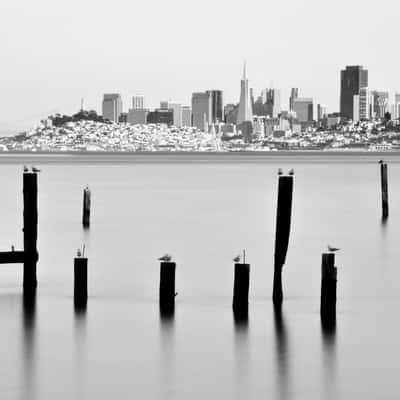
(56, 52)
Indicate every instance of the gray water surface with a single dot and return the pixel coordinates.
(204, 214)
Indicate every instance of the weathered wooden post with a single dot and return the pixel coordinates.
(86, 208)
(80, 281)
(241, 289)
(328, 288)
(384, 185)
(30, 231)
(167, 286)
(283, 219)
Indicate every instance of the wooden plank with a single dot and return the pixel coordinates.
(12, 257)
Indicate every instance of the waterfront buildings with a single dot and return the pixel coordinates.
(353, 78)
(272, 101)
(161, 116)
(304, 109)
(294, 94)
(137, 116)
(112, 106)
(245, 112)
(177, 112)
(380, 103)
(321, 112)
(364, 104)
(201, 110)
(138, 102)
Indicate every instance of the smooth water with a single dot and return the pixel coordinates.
(204, 214)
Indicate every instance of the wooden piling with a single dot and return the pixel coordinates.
(385, 195)
(283, 220)
(241, 283)
(167, 286)
(80, 281)
(328, 288)
(86, 208)
(30, 231)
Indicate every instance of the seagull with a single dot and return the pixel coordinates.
(26, 169)
(332, 249)
(381, 162)
(291, 172)
(35, 170)
(280, 172)
(166, 257)
(237, 259)
(78, 253)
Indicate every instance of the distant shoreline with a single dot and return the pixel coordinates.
(197, 157)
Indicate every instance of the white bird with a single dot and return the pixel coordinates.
(280, 172)
(291, 172)
(332, 249)
(237, 259)
(166, 257)
(26, 169)
(35, 170)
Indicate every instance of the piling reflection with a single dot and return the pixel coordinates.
(167, 348)
(80, 323)
(242, 364)
(29, 345)
(328, 330)
(282, 354)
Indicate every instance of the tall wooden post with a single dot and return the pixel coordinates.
(241, 289)
(80, 282)
(30, 231)
(328, 288)
(385, 195)
(167, 287)
(86, 208)
(283, 219)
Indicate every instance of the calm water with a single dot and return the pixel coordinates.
(204, 214)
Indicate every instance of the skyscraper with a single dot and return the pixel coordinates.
(186, 116)
(353, 78)
(381, 103)
(272, 102)
(137, 102)
(245, 112)
(364, 106)
(304, 109)
(201, 110)
(217, 106)
(294, 94)
(112, 106)
(177, 109)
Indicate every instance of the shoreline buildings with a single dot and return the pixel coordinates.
(112, 107)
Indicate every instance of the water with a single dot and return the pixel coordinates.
(204, 214)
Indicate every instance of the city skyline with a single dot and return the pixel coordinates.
(43, 72)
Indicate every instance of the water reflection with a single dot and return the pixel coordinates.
(29, 346)
(167, 350)
(282, 354)
(80, 322)
(242, 360)
(328, 330)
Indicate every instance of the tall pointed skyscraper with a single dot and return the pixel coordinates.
(245, 112)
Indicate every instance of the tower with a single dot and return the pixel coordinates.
(245, 112)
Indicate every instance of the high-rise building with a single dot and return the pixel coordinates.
(161, 116)
(294, 94)
(272, 102)
(321, 112)
(201, 110)
(177, 109)
(186, 116)
(137, 116)
(364, 104)
(381, 103)
(112, 106)
(396, 106)
(245, 112)
(137, 102)
(353, 78)
(164, 104)
(217, 106)
(356, 108)
(304, 109)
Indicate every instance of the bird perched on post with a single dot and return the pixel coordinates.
(26, 169)
(332, 249)
(280, 172)
(237, 259)
(381, 162)
(35, 170)
(78, 253)
(166, 258)
(291, 172)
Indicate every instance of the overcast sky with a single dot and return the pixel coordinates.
(54, 52)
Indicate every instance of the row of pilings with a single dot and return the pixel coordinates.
(29, 256)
